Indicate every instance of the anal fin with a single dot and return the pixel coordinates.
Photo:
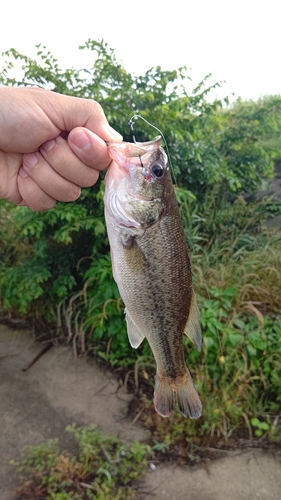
(134, 334)
(192, 328)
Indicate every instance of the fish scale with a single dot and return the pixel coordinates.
(152, 268)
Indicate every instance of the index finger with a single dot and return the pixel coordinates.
(68, 112)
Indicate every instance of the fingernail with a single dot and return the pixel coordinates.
(23, 173)
(30, 160)
(80, 139)
(47, 146)
(116, 136)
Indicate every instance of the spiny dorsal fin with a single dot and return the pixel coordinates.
(192, 328)
(134, 334)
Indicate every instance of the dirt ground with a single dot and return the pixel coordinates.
(57, 390)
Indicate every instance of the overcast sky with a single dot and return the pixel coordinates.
(238, 41)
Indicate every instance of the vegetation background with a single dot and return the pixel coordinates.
(55, 269)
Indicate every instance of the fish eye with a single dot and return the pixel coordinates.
(157, 170)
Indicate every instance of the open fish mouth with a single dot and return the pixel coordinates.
(136, 149)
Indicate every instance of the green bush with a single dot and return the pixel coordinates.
(55, 267)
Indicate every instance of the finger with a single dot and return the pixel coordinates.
(9, 168)
(67, 112)
(38, 115)
(74, 112)
(48, 179)
(66, 163)
(32, 195)
(89, 148)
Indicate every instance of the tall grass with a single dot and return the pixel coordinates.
(237, 277)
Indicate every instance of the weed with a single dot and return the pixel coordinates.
(260, 427)
(105, 469)
(236, 268)
(237, 279)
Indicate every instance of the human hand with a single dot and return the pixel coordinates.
(51, 145)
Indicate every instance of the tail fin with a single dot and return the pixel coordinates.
(187, 396)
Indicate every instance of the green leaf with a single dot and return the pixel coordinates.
(208, 341)
(257, 340)
(255, 422)
(235, 339)
(251, 350)
(264, 426)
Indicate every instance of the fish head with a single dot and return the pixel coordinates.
(141, 164)
(138, 176)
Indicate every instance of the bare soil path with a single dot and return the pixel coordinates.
(57, 390)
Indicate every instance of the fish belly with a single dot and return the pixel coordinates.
(154, 278)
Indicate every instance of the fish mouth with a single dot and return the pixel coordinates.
(135, 149)
(133, 161)
(122, 172)
(127, 153)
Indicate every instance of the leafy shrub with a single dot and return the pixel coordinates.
(210, 143)
(56, 264)
(49, 253)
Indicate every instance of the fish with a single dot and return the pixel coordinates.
(151, 266)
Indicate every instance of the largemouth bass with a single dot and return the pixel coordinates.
(151, 267)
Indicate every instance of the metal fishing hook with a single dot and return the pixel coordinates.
(131, 125)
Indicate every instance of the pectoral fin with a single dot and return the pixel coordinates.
(134, 334)
(192, 327)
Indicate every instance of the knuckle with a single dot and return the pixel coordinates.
(95, 107)
(73, 193)
(90, 178)
(35, 197)
(46, 205)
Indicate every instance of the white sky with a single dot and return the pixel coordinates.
(238, 41)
